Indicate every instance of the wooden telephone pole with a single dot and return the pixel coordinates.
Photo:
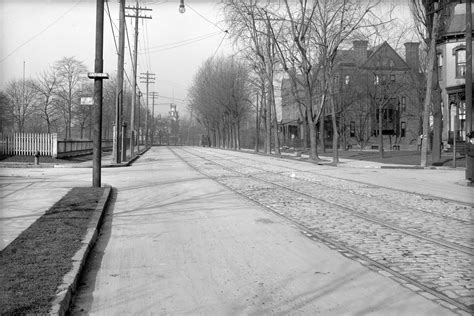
(98, 77)
(137, 16)
(148, 78)
(153, 95)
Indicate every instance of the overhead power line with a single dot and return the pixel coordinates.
(183, 42)
(223, 38)
(41, 32)
(206, 19)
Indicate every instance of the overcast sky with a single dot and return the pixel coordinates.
(42, 32)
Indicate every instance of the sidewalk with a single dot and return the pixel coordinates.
(175, 242)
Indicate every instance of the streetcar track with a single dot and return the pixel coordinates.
(450, 245)
(335, 244)
(351, 180)
(312, 172)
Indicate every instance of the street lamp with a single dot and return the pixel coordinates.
(182, 9)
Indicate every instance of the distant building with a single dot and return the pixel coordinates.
(173, 128)
(369, 85)
(451, 50)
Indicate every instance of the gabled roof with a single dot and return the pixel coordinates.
(345, 57)
(456, 23)
(384, 57)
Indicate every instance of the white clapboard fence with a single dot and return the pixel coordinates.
(28, 144)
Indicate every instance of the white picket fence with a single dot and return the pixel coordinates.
(28, 144)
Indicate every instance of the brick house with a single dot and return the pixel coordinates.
(373, 89)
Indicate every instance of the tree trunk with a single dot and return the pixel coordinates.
(437, 117)
(380, 131)
(322, 134)
(335, 135)
(238, 136)
(275, 121)
(268, 121)
(313, 153)
(429, 88)
(257, 128)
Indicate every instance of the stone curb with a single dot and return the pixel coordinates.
(25, 165)
(61, 303)
(77, 165)
(326, 162)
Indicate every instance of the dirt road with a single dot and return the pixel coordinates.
(175, 242)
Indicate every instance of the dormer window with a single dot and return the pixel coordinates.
(376, 80)
(460, 63)
(403, 104)
(347, 79)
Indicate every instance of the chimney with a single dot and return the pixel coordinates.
(412, 55)
(360, 51)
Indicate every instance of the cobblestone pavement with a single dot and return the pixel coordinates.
(423, 242)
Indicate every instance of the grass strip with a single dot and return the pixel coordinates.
(34, 264)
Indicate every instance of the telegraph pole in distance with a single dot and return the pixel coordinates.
(153, 95)
(119, 96)
(138, 130)
(98, 76)
(137, 16)
(149, 78)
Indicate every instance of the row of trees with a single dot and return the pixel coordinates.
(220, 99)
(59, 100)
(300, 41)
(49, 102)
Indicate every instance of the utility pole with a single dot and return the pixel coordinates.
(153, 95)
(149, 78)
(98, 76)
(138, 129)
(468, 87)
(137, 16)
(468, 84)
(119, 95)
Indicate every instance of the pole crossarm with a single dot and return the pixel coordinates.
(147, 77)
(137, 10)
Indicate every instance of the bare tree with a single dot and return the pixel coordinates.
(70, 73)
(83, 111)
(108, 107)
(21, 99)
(430, 20)
(313, 32)
(6, 114)
(250, 28)
(220, 99)
(46, 86)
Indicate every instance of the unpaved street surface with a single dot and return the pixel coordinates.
(205, 231)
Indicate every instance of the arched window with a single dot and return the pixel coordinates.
(440, 66)
(460, 63)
